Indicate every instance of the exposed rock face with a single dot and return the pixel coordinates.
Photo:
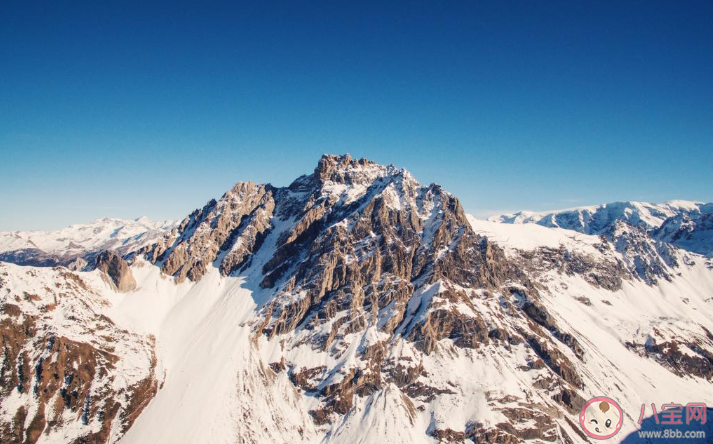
(71, 379)
(117, 269)
(684, 358)
(608, 274)
(370, 252)
(227, 231)
(375, 256)
(372, 249)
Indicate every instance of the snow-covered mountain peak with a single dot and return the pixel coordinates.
(356, 305)
(335, 174)
(645, 234)
(595, 219)
(339, 190)
(145, 220)
(76, 237)
(691, 230)
(79, 241)
(690, 205)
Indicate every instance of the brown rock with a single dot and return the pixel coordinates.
(117, 269)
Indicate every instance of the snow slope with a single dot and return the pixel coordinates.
(215, 388)
(532, 236)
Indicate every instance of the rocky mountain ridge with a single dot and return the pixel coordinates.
(356, 304)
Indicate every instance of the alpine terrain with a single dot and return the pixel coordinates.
(355, 305)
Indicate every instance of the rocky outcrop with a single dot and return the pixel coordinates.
(681, 358)
(366, 246)
(226, 231)
(117, 269)
(375, 251)
(609, 273)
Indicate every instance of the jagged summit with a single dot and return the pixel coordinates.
(232, 229)
(342, 170)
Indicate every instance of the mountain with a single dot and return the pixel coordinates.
(644, 233)
(690, 230)
(77, 245)
(596, 219)
(356, 305)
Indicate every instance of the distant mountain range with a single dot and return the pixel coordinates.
(354, 305)
(686, 224)
(75, 246)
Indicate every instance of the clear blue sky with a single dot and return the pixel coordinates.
(122, 109)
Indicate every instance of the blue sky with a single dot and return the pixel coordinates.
(125, 109)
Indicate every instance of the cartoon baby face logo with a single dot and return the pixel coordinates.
(601, 418)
